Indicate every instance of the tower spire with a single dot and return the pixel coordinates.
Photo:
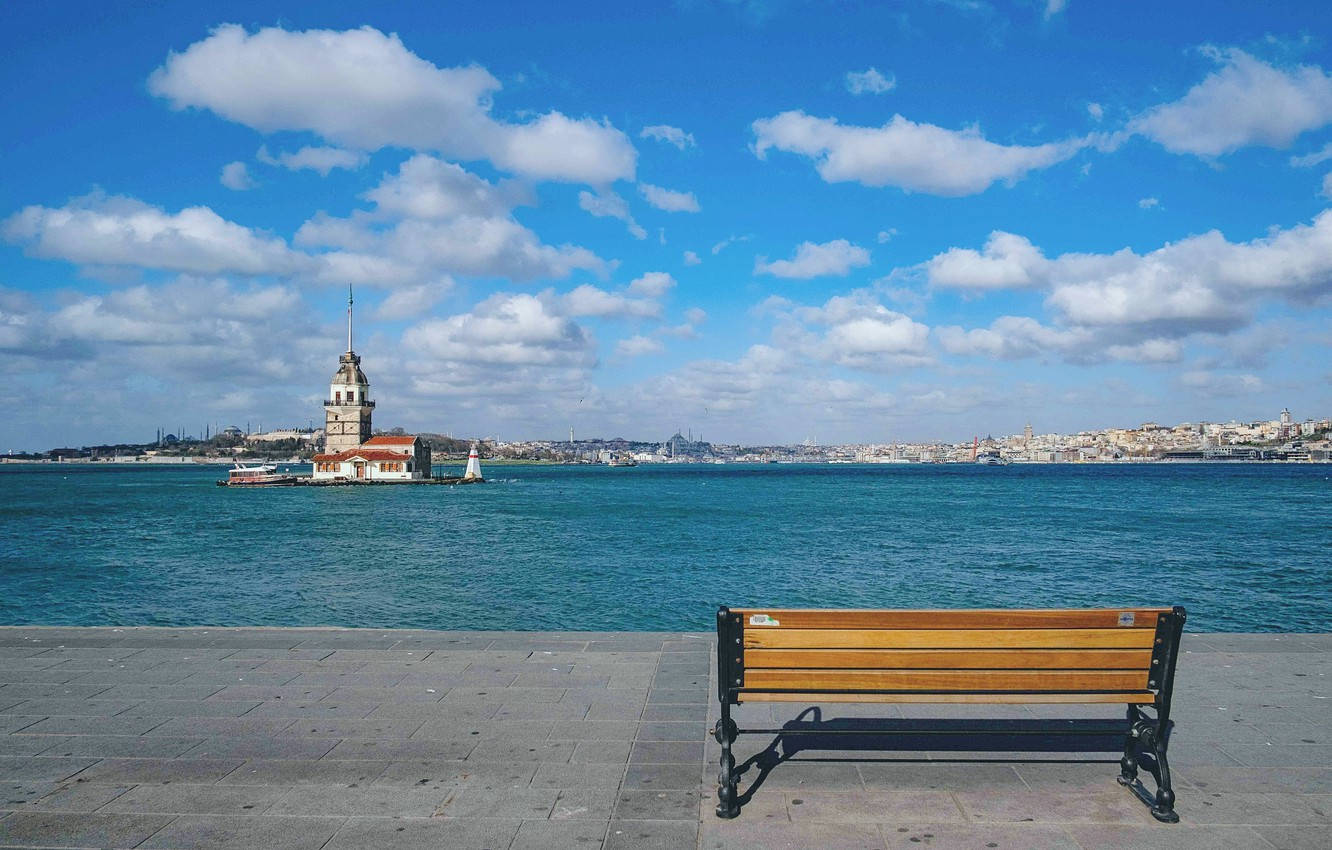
(349, 317)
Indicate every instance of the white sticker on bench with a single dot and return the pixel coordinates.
(762, 620)
(1126, 618)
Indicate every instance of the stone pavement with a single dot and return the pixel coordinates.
(339, 739)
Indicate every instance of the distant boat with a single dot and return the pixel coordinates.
(991, 460)
(622, 461)
(258, 475)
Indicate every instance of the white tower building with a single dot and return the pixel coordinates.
(348, 408)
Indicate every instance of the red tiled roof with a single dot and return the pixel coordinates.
(390, 441)
(364, 454)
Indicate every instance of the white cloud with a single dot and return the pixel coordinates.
(433, 218)
(811, 260)
(854, 330)
(1148, 351)
(356, 233)
(651, 285)
(1010, 338)
(902, 153)
(504, 330)
(1054, 7)
(178, 346)
(688, 329)
(1019, 337)
(636, 346)
(366, 90)
(869, 81)
(720, 386)
(429, 188)
(1137, 304)
(1148, 203)
(413, 301)
(1245, 102)
(669, 200)
(604, 204)
(1212, 383)
(670, 135)
(191, 312)
(556, 147)
(1318, 157)
(115, 231)
(1327, 186)
(320, 159)
(588, 300)
(1008, 261)
(886, 235)
(484, 247)
(236, 176)
(691, 258)
(1096, 111)
(607, 204)
(728, 242)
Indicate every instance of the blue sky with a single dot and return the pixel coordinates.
(763, 221)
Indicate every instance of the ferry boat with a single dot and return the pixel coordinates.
(623, 460)
(260, 475)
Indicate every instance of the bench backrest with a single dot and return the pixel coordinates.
(1120, 655)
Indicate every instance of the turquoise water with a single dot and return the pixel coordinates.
(1245, 547)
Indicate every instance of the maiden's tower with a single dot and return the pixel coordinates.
(350, 452)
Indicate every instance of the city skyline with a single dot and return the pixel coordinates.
(765, 220)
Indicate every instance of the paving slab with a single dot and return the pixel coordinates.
(545, 834)
(135, 771)
(978, 837)
(651, 835)
(78, 829)
(425, 834)
(359, 800)
(76, 797)
(230, 832)
(195, 799)
(374, 738)
(286, 773)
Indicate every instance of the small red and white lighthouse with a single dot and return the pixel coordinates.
(473, 472)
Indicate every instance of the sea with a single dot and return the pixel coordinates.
(1244, 547)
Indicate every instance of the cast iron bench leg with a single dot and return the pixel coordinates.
(1164, 810)
(1128, 765)
(1151, 737)
(725, 733)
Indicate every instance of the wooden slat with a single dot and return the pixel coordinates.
(946, 680)
(933, 659)
(1135, 697)
(995, 618)
(760, 638)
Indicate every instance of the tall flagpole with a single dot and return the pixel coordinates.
(349, 317)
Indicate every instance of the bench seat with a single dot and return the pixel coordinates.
(1121, 656)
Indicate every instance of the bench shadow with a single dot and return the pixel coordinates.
(810, 732)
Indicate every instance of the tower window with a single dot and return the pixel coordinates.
(337, 396)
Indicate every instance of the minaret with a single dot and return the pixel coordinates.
(348, 406)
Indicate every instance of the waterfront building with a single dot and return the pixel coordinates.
(380, 458)
(299, 435)
(350, 452)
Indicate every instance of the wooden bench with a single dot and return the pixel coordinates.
(1118, 656)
